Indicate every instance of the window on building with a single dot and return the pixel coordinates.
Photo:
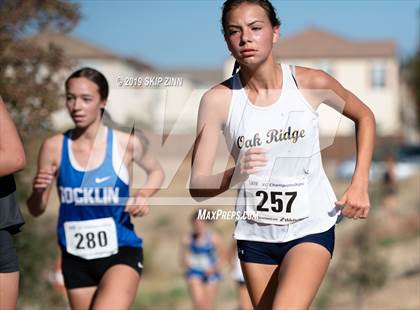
(378, 75)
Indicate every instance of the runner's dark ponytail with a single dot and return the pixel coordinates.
(235, 67)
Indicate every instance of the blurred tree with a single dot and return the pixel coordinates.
(412, 73)
(30, 85)
(27, 72)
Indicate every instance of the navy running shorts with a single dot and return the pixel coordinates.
(273, 253)
(215, 277)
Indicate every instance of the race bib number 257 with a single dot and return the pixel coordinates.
(279, 201)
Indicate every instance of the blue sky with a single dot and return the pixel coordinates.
(175, 33)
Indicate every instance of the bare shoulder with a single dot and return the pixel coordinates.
(129, 142)
(186, 239)
(53, 143)
(308, 78)
(218, 97)
(219, 91)
(215, 237)
(51, 148)
(122, 137)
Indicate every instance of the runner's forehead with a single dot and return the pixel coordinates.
(82, 86)
(246, 14)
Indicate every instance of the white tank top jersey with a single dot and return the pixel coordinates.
(294, 179)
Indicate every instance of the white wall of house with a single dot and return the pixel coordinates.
(355, 74)
(177, 108)
(150, 107)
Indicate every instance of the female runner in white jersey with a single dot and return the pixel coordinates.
(271, 127)
(101, 253)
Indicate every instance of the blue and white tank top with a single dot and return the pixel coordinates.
(92, 222)
(201, 257)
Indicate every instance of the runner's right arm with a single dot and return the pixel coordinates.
(183, 259)
(212, 115)
(48, 163)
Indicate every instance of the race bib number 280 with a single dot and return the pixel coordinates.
(92, 238)
(279, 201)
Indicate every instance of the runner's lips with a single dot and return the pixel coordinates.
(78, 117)
(248, 52)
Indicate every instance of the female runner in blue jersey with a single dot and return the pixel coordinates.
(101, 253)
(271, 128)
(202, 255)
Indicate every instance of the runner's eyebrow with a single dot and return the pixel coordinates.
(81, 95)
(255, 21)
(249, 24)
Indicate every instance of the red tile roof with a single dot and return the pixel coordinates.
(78, 49)
(317, 43)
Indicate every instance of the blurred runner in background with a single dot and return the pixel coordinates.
(101, 253)
(202, 255)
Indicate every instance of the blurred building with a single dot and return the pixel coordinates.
(370, 69)
(163, 99)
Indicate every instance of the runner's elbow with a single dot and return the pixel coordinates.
(35, 211)
(20, 162)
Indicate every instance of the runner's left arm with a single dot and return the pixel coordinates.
(220, 250)
(145, 159)
(355, 201)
